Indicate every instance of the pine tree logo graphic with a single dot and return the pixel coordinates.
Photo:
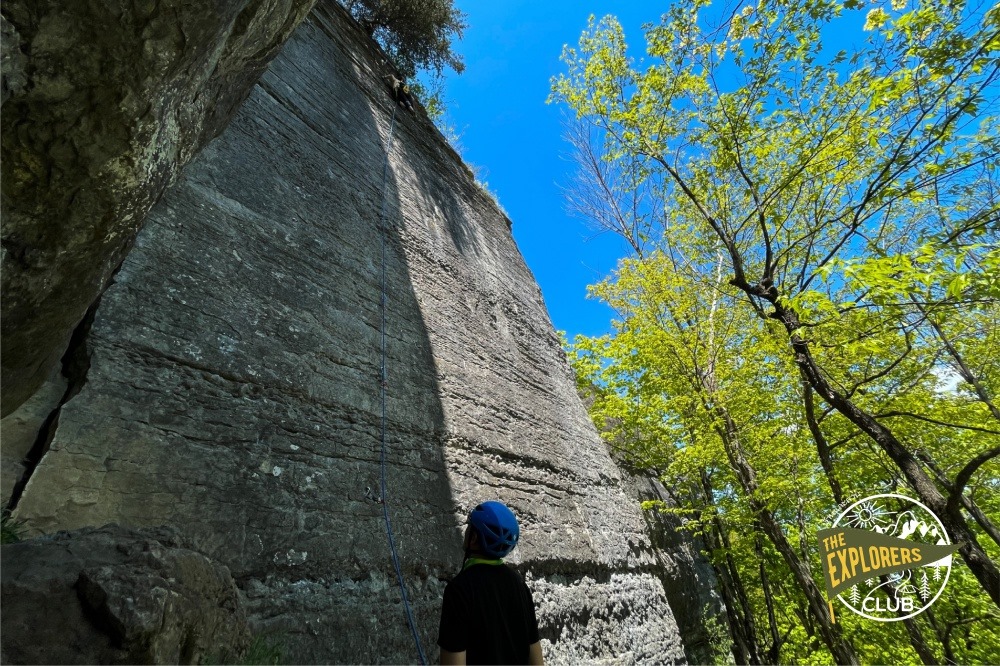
(887, 557)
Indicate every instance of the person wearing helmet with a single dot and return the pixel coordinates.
(488, 616)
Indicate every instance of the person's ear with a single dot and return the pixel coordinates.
(466, 537)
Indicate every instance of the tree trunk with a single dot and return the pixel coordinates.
(840, 648)
(822, 446)
(765, 587)
(948, 513)
(920, 645)
(963, 369)
(738, 611)
(970, 506)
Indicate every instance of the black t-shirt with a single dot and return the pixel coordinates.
(489, 614)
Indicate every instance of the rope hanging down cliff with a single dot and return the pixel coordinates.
(384, 383)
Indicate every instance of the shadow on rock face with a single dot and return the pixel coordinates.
(115, 595)
(103, 103)
(234, 385)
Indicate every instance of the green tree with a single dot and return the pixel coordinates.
(813, 163)
(687, 385)
(417, 34)
(687, 395)
(812, 311)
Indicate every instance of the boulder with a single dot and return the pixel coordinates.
(114, 595)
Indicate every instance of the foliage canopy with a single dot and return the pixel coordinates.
(417, 34)
(812, 309)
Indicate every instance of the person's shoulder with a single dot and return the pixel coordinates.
(460, 581)
(513, 573)
(516, 577)
(512, 569)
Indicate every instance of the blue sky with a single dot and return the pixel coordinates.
(515, 140)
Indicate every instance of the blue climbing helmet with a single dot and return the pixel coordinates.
(497, 528)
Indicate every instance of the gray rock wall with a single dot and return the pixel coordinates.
(103, 102)
(687, 575)
(113, 595)
(233, 387)
(21, 430)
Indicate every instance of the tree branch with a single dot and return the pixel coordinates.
(966, 473)
(920, 417)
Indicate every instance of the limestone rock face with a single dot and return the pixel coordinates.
(20, 432)
(687, 575)
(234, 384)
(116, 596)
(13, 62)
(103, 102)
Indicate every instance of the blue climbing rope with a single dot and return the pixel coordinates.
(384, 383)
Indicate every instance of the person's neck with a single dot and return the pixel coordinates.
(477, 557)
(480, 556)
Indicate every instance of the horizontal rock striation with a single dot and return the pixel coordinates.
(234, 384)
(688, 577)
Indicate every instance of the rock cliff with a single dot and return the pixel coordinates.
(227, 384)
(688, 578)
(113, 100)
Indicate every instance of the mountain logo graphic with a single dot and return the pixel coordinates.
(887, 557)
